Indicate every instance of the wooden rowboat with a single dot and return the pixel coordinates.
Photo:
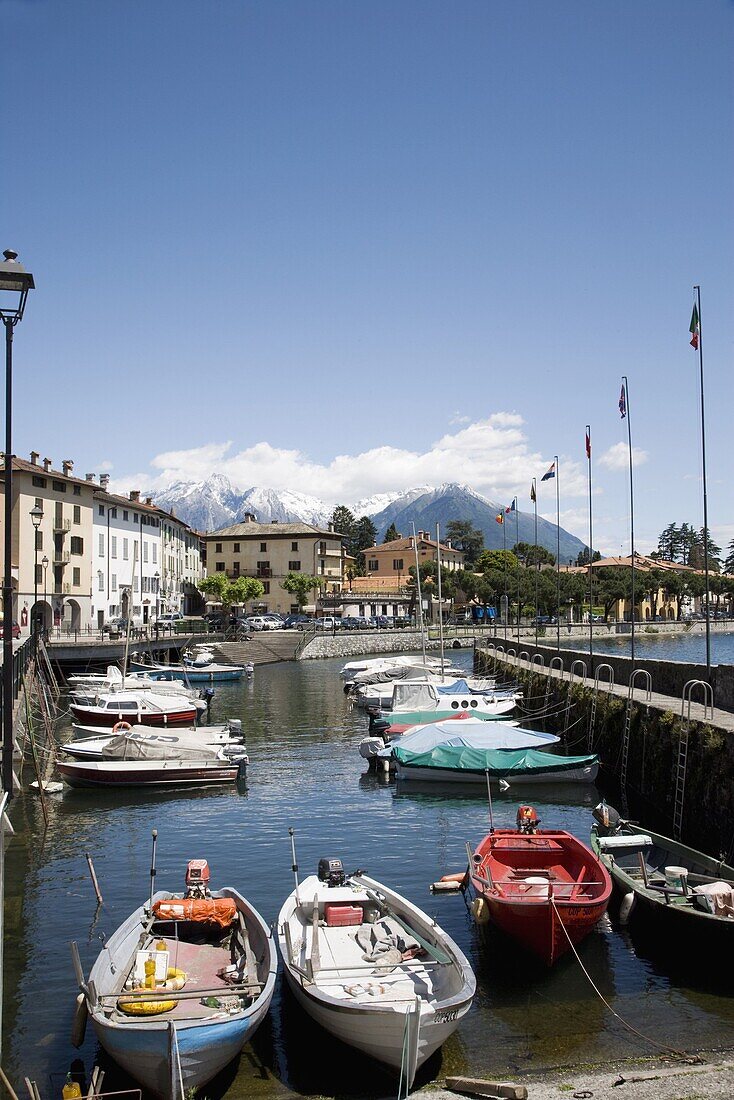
(542, 887)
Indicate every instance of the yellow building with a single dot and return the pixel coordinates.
(388, 564)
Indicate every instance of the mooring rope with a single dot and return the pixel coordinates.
(692, 1059)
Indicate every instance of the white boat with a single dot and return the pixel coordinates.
(351, 668)
(228, 738)
(468, 731)
(372, 969)
(85, 690)
(411, 696)
(128, 761)
(214, 980)
(382, 696)
(139, 708)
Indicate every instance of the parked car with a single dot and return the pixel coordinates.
(384, 621)
(15, 628)
(169, 617)
(296, 621)
(545, 620)
(118, 625)
(261, 622)
(327, 622)
(350, 622)
(276, 622)
(403, 620)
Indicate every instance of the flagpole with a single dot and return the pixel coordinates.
(625, 386)
(440, 598)
(705, 495)
(558, 555)
(517, 543)
(591, 553)
(537, 558)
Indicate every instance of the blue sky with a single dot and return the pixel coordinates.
(347, 247)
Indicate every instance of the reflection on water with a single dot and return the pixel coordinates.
(305, 771)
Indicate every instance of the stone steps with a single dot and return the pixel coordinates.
(264, 647)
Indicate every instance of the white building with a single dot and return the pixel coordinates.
(126, 556)
(181, 566)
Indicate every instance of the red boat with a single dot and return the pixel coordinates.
(138, 707)
(543, 887)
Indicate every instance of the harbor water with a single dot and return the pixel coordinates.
(305, 772)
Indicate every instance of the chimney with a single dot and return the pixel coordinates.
(448, 544)
(104, 480)
(34, 458)
(47, 464)
(331, 526)
(249, 517)
(149, 500)
(135, 495)
(67, 466)
(89, 477)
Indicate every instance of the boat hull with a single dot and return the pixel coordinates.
(145, 773)
(191, 675)
(408, 772)
(94, 716)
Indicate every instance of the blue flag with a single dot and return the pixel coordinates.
(549, 473)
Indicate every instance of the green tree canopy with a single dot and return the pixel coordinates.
(391, 534)
(530, 554)
(466, 538)
(229, 592)
(300, 585)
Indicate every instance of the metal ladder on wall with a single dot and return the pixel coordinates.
(592, 716)
(682, 763)
(626, 736)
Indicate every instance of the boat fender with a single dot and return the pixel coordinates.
(79, 1023)
(121, 727)
(457, 876)
(626, 906)
(480, 911)
(144, 1008)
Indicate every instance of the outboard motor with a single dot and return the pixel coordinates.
(527, 819)
(331, 871)
(197, 879)
(607, 819)
(207, 694)
(379, 726)
(235, 727)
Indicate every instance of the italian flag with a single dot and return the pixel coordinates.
(695, 327)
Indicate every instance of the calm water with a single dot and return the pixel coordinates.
(664, 647)
(305, 772)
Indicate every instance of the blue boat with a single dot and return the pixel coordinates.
(182, 985)
(190, 674)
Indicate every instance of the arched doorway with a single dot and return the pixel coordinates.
(125, 604)
(72, 615)
(44, 613)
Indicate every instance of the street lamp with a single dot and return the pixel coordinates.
(44, 563)
(15, 282)
(36, 515)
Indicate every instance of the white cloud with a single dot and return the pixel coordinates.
(617, 457)
(457, 418)
(492, 455)
(105, 466)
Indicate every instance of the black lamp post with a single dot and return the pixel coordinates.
(36, 515)
(15, 282)
(44, 563)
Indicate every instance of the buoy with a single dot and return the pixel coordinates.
(457, 876)
(144, 1008)
(121, 727)
(626, 906)
(480, 911)
(79, 1023)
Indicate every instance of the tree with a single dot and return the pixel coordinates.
(343, 521)
(300, 585)
(230, 592)
(583, 556)
(365, 535)
(500, 560)
(391, 534)
(613, 583)
(729, 563)
(357, 535)
(530, 554)
(466, 538)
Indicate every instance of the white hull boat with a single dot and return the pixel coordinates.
(228, 738)
(372, 969)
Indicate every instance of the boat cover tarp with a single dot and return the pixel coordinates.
(414, 695)
(385, 673)
(471, 733)
(161, 745)
(499, 762)
(461, 687)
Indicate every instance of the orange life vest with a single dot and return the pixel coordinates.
(220, 911)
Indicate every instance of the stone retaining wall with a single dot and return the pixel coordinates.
(354, 645)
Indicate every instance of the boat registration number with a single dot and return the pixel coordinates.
(447, 1017)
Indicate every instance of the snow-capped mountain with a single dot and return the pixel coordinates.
(215, 503)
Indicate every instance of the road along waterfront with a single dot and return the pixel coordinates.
(306, 772)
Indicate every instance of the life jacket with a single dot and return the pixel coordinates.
(221, 911)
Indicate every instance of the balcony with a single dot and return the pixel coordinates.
(61, 557)
(62, 525)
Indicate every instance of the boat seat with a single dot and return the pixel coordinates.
(630, 842)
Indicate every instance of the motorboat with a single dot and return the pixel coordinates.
(453, 694)
(460, 730)
(139, 708)
(85, 692)
(190, 673)
(371, 968)
(423, 696)
(131, 761)
(542, 887)
(351, 668)
(180, 987)
(685, 896)
(92, 743)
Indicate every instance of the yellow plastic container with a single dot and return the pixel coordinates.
(149, 973)
(71, 1089)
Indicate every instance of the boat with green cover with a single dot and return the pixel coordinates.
(465, 764)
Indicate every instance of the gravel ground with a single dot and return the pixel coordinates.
(648, 1080)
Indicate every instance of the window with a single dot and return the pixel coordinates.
(77, 490)
(125, 515)
(101, 546)
(373, 565)
(39, 574)
(322, 566)
(236, 568)
(113, 546)
(219, 566)
(236, 548)
(39, 482)
(145, 551)
(39, 540)
(266, 588)
(263, 569)
(101, 509)
(58, 486)
(76, 577)
(294, 566)
(322, 547)
(397, 563)
(263, 547)
(155, 553)
(125, 549)
(135, 583)
(217, 547)
(294, 546)
(100, 580)
(113, 513)
(77, 545)
(113, 584)
(77, 513)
